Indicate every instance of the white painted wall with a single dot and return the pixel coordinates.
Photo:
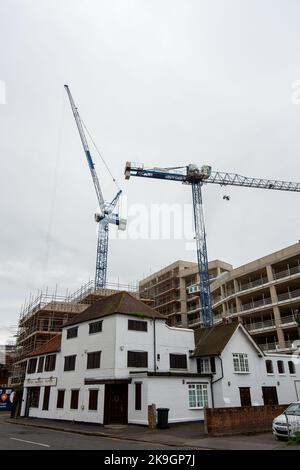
(113, 341)
(172, 393)
(226, 392)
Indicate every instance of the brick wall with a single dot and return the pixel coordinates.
(241, 419)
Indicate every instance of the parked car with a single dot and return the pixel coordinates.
(288, 423)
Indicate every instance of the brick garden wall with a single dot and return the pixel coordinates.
(242, 419)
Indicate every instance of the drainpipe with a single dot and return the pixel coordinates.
(154, 344)
(215, 381)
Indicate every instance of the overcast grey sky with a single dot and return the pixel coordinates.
(163, 82)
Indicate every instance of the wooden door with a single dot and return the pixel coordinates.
(270, 395)
(116, 404)
(245, 396)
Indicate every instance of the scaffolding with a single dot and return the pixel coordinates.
(44, 315)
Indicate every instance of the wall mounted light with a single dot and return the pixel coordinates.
(121, 348)
(278, 383)
(228, 383)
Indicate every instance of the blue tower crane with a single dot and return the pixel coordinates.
(197, 177)
(106, 215)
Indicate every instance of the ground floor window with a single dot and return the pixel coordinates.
(60, 399)
(198, 395)
(93, 400)
(34, 397)
(46, 398)
(74, 399)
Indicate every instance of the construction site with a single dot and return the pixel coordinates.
(44, 315)
(189, 294)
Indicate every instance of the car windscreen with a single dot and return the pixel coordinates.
(293, 409)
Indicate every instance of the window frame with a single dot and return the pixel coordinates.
(138, 396)
(89, 356)
(133, 325)
(280, 365)
(30, 369)
(63, 391)
(291, 363)
(67, 360)
(143, 355)
(73, 390)
(92, 324)
(175, 357)
(48, 366)
(205, 370)
(71, 336)
(46, 398)
(41, 364)
(269, 361)
(238, 359)
(91, 390)
(196, 386)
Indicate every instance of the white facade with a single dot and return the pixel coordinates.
(114, 341)
(131, 389)
(226, 383)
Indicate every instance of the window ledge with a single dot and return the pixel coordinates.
(241, 372)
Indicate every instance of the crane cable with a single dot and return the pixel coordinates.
(100, 155)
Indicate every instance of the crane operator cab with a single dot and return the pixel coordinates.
(198, 174)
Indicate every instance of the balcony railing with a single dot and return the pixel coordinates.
(231, 311)
(256, 304)
(276, 346)
(251, 284)
(286, 272)
(288, 319)
(288, 295)
(260, 325)
(269, 346)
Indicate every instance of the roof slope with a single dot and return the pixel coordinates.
(51, 346)
(122, 302)
(212, 341)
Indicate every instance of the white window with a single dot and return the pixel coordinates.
(198, 396)
(205, 366)
(240, 362)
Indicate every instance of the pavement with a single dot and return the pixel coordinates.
(183, 436)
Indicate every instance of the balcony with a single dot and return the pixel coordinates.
(276, 347)
(288, 295)
(256, 304)
(287, 272)
(231, 311)
(261, 325)
(217, 318)
(252, 284)
(289, 320)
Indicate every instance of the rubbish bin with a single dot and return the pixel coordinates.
(162, 418)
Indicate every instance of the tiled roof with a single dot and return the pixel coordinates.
(51, 346)
(211, 341)
(122, 302)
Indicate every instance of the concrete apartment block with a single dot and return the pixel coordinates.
(262, 294)
(175, 293)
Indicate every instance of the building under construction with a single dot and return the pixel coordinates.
(43, 317)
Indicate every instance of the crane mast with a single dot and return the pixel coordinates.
(106, 215)
(197, 178)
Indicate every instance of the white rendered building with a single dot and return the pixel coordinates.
(119, 356)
